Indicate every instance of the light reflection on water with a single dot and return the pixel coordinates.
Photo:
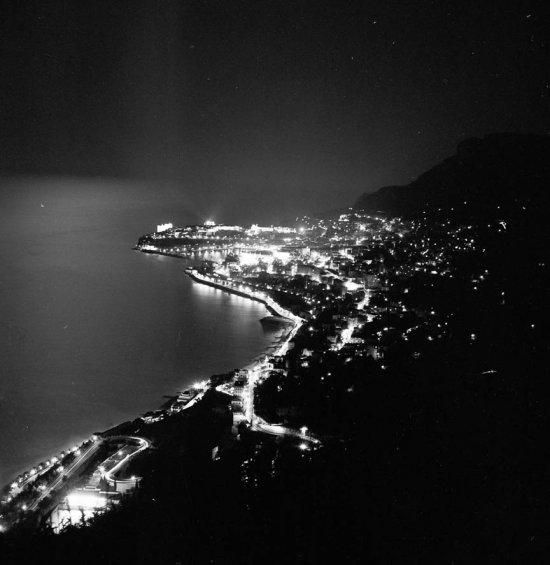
(93, 333)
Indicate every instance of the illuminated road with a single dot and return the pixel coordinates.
(142, 445)
(255, 374)
(347, 333)
(66, 473)
(19, 485)
(366, 300)
(280, 430)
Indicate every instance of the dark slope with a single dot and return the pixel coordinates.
(499, 170)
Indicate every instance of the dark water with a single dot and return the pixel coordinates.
(91, 332)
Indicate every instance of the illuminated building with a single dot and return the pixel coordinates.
(164, 227)
(79, 505)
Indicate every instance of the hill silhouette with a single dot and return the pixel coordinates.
(500, 170)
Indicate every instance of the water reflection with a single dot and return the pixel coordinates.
(91, 332)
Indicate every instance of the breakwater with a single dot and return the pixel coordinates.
(245, 292)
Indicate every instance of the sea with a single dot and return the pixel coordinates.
(93, 333)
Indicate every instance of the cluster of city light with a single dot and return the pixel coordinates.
(343, 247)
(333, 257)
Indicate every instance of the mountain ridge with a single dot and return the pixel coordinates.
(498, 170)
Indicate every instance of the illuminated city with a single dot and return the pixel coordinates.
(340, 290)
(274, 282)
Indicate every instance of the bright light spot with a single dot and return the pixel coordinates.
(164, 227)
(86, 500)
(303, 446)
(303, 430)
(350, 285)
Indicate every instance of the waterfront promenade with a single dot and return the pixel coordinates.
(244, 291)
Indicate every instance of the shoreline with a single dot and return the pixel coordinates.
(267, 301)
(279, 341)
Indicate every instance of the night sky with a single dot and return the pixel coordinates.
(288, 104)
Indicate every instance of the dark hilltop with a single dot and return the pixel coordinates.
(485, 178)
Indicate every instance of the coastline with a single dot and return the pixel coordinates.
(267, 301)
(279, 342)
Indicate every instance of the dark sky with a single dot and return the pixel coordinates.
(286, 103)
